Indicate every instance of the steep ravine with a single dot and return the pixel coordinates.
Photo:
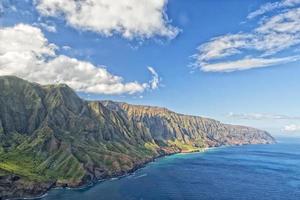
(50, 137)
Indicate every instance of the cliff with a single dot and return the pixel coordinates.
(51, 137)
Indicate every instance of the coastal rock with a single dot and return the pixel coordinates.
(12, 186)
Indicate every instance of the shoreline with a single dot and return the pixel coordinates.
(125, 174)
(117, 177)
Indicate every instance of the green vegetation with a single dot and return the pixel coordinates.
(23, 165)
(183, 146)
(47, 133)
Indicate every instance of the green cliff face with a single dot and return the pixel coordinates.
(49, 136)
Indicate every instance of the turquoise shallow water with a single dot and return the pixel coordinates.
(242, 173)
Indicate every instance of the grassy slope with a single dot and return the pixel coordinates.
(65, 167)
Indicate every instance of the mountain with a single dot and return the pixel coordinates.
(50, 137)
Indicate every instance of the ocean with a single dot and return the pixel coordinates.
(255, 172)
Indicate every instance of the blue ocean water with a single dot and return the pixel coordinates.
(245, 172)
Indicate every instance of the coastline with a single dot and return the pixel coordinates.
(115, 176)
(119, 176)
(125, 174)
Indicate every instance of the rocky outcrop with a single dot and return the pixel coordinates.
(51, 137)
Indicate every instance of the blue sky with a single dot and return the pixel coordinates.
(235, 61)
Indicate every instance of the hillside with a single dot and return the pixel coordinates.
(51, 137)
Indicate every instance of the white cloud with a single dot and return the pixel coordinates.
(292, 128)
(268, 7)
(256, 48)
(262, 116)
(154, 83)
(47, 27)
(24, 40)
(25, 52)
(287, 22)
(130, 18)
(223, 46)
(66, 48)
(247, 63)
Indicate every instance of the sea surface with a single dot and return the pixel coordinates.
(255, 172)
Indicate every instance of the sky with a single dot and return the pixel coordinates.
(231, 60)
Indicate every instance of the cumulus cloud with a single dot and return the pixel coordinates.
(261, 116)
(130, 18)
(292, 128)
(257, 48)
(25, 52)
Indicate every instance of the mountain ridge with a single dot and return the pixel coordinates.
(50, 137)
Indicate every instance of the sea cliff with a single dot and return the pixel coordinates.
(50, 137)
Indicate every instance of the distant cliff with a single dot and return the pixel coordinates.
(165, 125)
(50, 137)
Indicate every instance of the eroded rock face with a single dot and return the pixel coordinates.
(164, 125)
(49, 135)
